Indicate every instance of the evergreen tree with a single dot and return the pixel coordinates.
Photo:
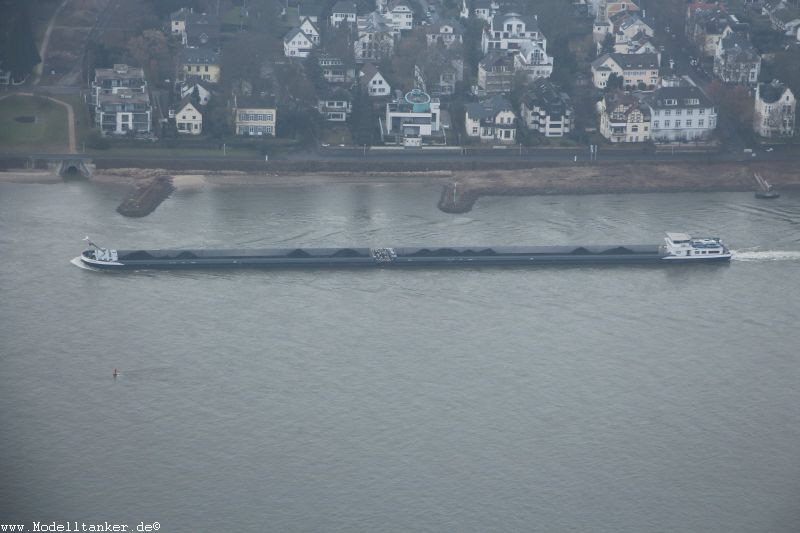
(362, 119)
(19, 51)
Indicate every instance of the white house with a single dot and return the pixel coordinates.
(297, 44)
(400, 16)
(775, 109)
(680, 113)
(634, 69)
(310, 30)
(188, 119)
(124, 111)
(491, 120)
(373, 81)
(509, 31)
(447, 33)
(343, 12)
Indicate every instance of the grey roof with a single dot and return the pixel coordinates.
(120, 71)
(683, 94)
(544, 94)
(531, 24)
(488, 109)
(254, 102)
(188, 100)
(497, 59)
(736, 41)
(771, 92)
(293, 32)
(343, 6)
(636, 61)
(203, 56)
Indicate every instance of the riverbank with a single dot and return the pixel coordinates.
(461, 187)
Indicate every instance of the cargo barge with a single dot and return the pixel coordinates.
(676, 248)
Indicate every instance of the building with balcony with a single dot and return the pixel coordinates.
(775, 110)
(623, 118)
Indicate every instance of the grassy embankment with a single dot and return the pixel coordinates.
(32, 124)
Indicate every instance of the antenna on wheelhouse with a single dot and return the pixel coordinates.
(91, 243)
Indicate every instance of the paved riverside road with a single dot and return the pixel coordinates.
(440, 155)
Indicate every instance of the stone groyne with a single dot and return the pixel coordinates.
(146, 196)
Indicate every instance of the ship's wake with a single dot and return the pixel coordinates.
(766, 255)
(80, 264)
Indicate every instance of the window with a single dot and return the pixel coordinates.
(677, 123)
(700, 123)
(666, 123)
(655, 124)
(688, 123)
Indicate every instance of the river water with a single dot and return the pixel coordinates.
(608, 398)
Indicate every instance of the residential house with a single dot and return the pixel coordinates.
(187, 87)
(736, 60)
(373, 81)
(440, 70)
(120, 77)
(641, 43)
(785, 19)
(201, 62)
(123, 111)
(188, 118)
(680, 113)
(482, 9)
(411, 117)
(254, 116)
(195, 29)
(375, 39)
(533, 61)
(775, 110)
(400, 16)
(310, 30)
(509, 31)
(623, 118)
(635, 69)
(446, 33)
(495, 73)
(546, 109)
(707, 24)
(491, 120)
(334, 69)
(343, 12)
(294, 11)
(336, 105)
(297, 44)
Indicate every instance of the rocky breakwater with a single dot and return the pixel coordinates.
(146, 196)
(459, 196)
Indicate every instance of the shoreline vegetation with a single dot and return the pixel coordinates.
(461, 188)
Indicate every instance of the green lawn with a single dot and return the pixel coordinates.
(48, 131)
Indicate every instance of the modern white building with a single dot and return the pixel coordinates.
(411, 117)
(547, 110)
(400, 16)
(123, 112)
(343, 12)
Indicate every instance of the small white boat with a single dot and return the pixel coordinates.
(765, 190)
